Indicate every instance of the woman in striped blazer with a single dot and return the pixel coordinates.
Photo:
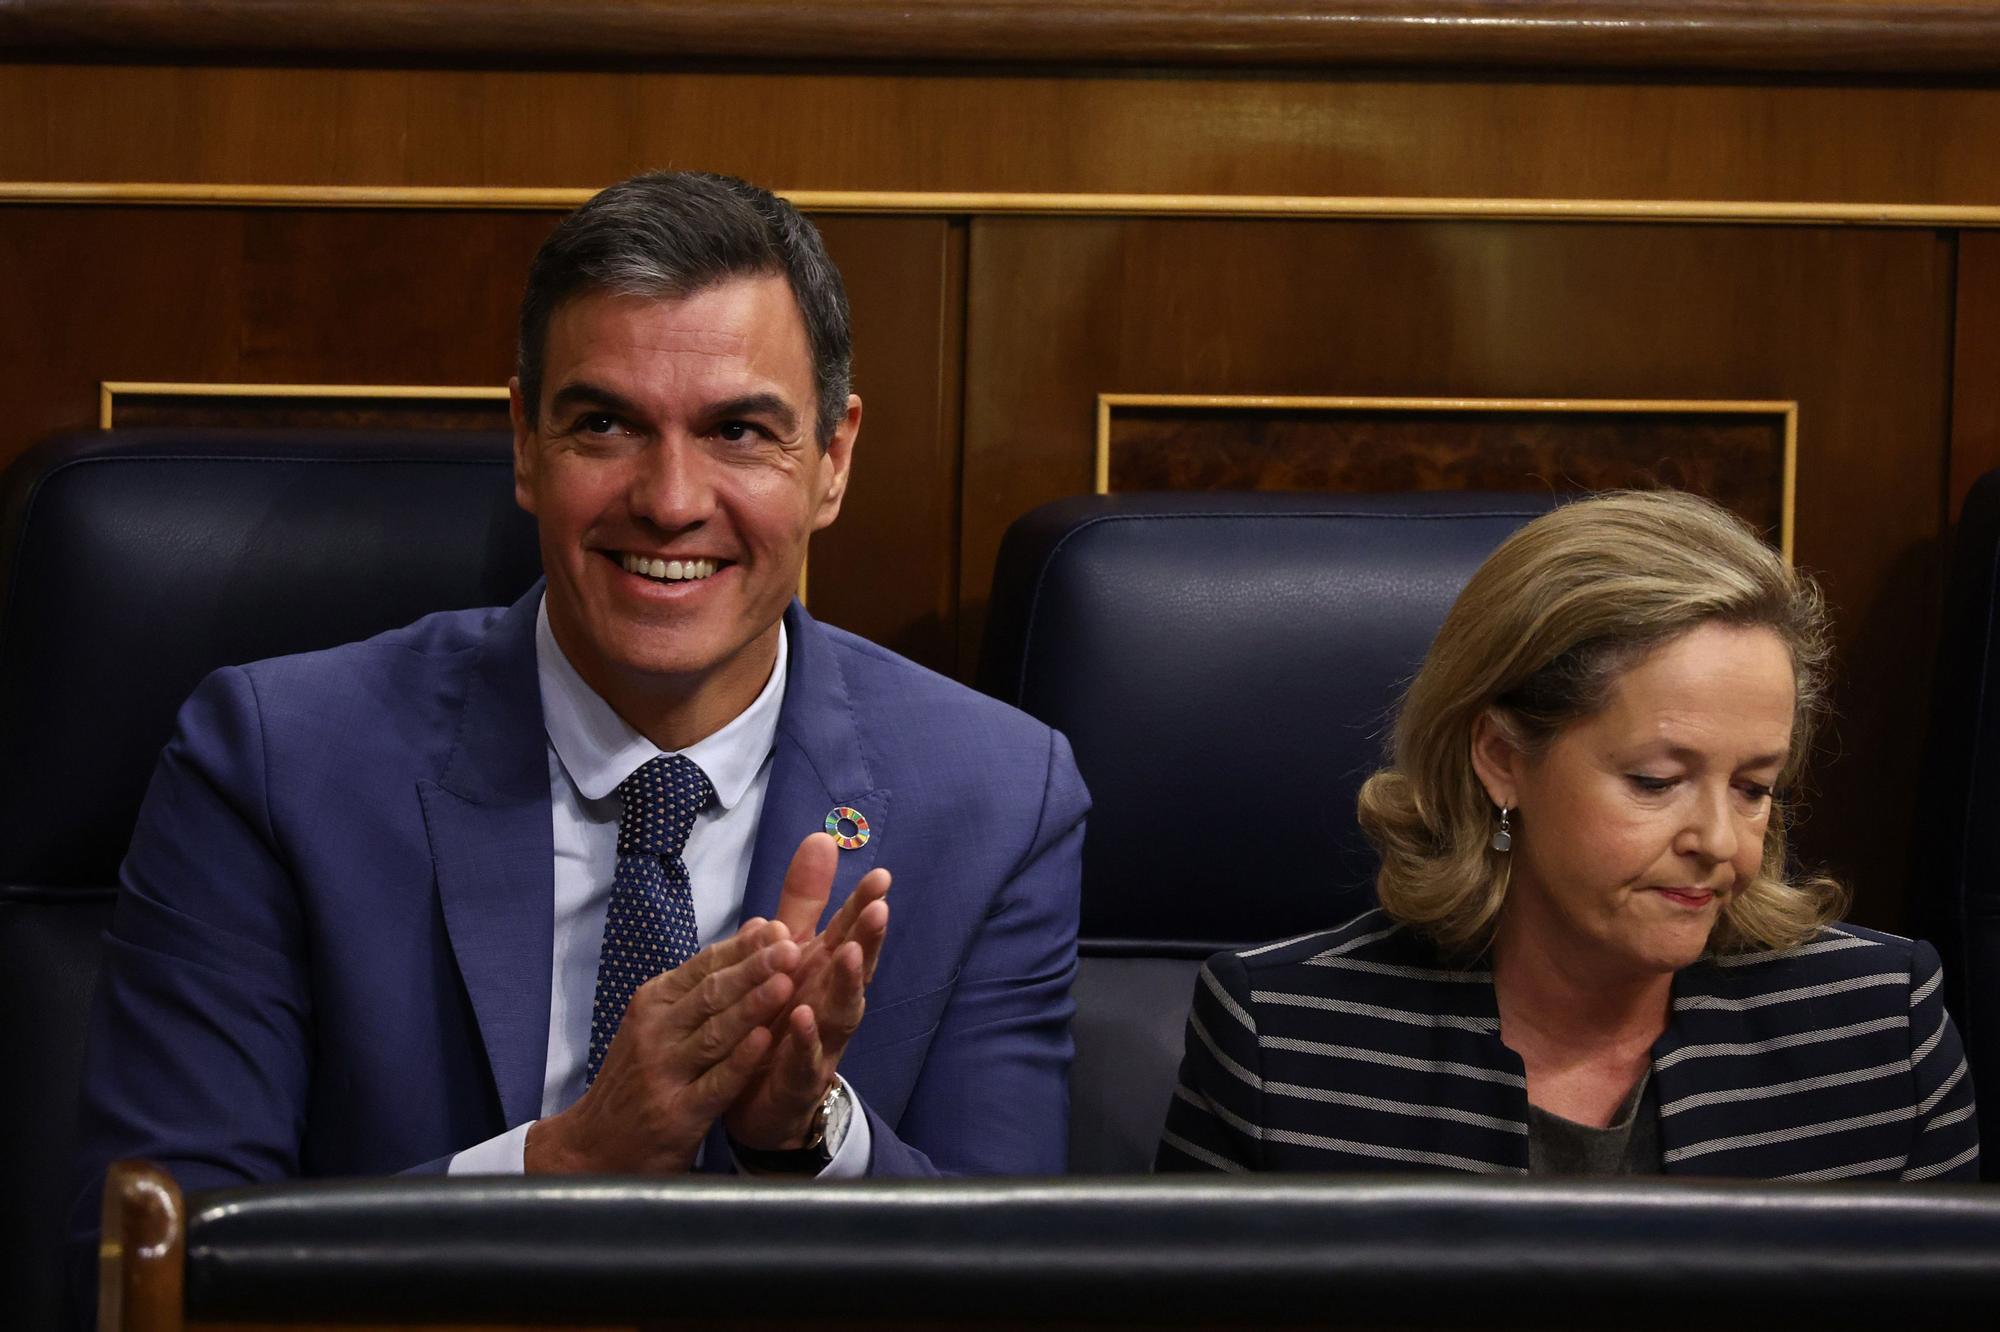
(1589, 958)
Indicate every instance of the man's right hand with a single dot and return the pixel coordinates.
(691, 1041)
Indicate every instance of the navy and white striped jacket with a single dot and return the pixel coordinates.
(1359, 1048)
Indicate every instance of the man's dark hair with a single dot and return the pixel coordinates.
(670, 234)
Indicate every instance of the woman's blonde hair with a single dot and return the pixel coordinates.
(1538, 637)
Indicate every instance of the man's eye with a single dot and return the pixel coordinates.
(596, 423)
(735, 432)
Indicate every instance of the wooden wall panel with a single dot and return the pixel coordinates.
(1854, 325)
(890, 562)
(1170, 133)
(1975, 379)
(228, 295)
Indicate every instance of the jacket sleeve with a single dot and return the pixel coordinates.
(1215, 1119)
(199, 1032)
(1945, 1134)
(993, 1094)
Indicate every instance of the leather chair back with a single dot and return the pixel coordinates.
(1404, 1252)
(1227, 667)
(131, 565)
(1956, 869)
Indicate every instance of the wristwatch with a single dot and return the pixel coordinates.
(829, 1129)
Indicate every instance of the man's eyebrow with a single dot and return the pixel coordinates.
(767, 405)
(586, 394)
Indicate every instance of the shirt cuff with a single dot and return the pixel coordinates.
(504, 1155)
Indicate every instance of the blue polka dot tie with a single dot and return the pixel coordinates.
(649, 927)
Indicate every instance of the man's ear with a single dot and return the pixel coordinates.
(523, 419)
(1496, 761)
(835, 462)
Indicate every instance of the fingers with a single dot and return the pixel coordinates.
(874, 886)
(870, 930)
(839, 1011)
(712, 1017)
(863, 920)
(753, 935)
(721, 1083)
(808, 884)
(799, 1073)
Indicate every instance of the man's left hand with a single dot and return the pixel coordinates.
(776, 1111)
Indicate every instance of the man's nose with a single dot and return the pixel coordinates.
(671, 486)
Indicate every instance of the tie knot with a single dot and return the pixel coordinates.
(661, 800)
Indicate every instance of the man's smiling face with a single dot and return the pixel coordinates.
(675, 475)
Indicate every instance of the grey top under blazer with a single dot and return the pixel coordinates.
(1360, 1048)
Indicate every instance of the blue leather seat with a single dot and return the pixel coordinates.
(133, 564)
(1226, 667)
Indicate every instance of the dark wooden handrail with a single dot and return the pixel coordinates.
(1881, 37)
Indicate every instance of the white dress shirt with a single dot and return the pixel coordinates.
(591, 751)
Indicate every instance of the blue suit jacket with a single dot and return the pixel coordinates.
(332, 948)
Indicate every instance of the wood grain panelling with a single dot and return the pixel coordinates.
(1975, 379)
(231, 296)
(1177, 133)
(890, 563)
(1854, 325)
(1736, 459)
(245, 296)
(1818, 35)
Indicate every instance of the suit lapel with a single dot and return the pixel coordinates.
(494, 852)
(818, 763)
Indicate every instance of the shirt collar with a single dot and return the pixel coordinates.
(599, 749)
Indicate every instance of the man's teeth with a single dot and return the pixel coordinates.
(673, 571)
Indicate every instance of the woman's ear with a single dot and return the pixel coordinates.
(1496, 761)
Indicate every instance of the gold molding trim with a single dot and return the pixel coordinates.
(1787, 409)
(109, 389)
(1740, 212)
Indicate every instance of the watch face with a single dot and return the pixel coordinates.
(834, 1112)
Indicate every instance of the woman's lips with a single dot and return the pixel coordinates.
(1692, 898)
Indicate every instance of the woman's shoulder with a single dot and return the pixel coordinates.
(1839, 959)
(1372, 944)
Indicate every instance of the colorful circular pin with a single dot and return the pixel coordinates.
(849, 828)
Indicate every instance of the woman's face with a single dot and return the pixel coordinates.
(1633, 826)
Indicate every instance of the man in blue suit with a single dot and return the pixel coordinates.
(395, 907)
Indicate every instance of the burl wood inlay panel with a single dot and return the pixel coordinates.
(1736, 459)
(196, 409)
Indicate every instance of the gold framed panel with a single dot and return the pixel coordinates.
(110, 390)
(1785, 412)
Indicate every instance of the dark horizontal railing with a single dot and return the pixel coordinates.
(1885, 37)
